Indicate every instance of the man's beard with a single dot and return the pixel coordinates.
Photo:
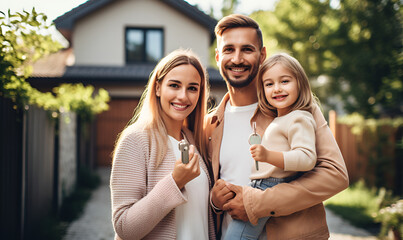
(240, 83)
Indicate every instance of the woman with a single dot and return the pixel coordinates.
(154, 194)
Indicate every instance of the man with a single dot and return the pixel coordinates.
(295, 208)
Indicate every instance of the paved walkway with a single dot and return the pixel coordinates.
(342, 230)
(95, 222)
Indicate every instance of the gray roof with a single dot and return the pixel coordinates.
(128, 73)
(65, 23)
(57, 66)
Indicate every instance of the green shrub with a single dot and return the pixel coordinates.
(391, 218)
(376, 210)
(356, 204)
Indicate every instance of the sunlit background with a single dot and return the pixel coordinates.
(350, 49)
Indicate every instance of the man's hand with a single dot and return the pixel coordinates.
(235, 206)
(220, 194)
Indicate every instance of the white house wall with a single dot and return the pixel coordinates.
(98, 38)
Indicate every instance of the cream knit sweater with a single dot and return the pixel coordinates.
(294, 135)
(144, 196)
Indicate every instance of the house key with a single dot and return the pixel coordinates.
(255, 138)
(183, 146)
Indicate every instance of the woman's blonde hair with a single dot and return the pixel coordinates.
(147, 115)
(305, 100)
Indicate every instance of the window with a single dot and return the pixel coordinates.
(144, 45)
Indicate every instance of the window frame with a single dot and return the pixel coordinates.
(144, 53)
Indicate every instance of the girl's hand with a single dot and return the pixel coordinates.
(259, 153)
(262, 154)
(184, 173)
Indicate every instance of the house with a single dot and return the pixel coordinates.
(115, 44)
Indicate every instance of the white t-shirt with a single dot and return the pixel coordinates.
(235, 158)
(192, 217)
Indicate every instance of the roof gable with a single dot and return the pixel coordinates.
(65, 23)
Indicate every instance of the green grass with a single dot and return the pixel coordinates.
(357, 204)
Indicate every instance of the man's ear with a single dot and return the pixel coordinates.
(158, 89)
(217, 57)
(263, 54)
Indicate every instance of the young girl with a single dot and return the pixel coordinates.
(288, 143)
(154, 194)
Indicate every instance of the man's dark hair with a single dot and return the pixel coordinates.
(236, 21)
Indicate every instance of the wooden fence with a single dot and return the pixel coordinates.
(368, 157)
(347, 142)
(39, 159)
(40, 175)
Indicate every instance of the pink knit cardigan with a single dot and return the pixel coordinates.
(144, 196)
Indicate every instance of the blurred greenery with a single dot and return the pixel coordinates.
(82, 100)
(21, 44)
(23, 40)
(391, 218)
(356, 204)
(229, 7)
(352, 48)
(362, 206)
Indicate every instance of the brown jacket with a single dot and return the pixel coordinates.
(295, 208)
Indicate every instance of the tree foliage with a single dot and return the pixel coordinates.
(228, 7)
(81, 99)
(21, 44)
(23, 40)
(357, 44)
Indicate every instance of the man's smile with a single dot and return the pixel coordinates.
(238, 69)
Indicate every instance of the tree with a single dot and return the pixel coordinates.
(370, 54)
(228, 7)
(21, 44)
(357, 44)
(23, 40)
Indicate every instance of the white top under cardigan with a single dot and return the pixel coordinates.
(192, 217)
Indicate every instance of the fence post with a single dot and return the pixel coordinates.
(333, 122)
(11, 170)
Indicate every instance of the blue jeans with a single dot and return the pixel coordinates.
(238, 229)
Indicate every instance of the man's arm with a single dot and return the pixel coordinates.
(327, 179)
